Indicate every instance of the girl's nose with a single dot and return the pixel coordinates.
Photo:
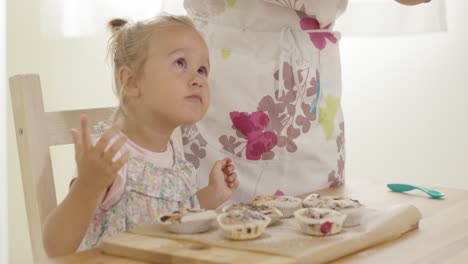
(196, 82)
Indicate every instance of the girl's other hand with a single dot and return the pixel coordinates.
(230, 177)
(223, 179)
(97, 165)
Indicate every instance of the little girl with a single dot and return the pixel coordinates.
(133, 172)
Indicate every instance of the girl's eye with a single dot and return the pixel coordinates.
(203, 71)
(181, 63)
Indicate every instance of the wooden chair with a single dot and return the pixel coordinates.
(36, 131)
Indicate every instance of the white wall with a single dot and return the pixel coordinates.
(403, 101)
(405, 105)
(73, 75)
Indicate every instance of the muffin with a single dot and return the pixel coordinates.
(353, 208)
(332, 202)
(274, 213)
(189, 221)
(243, 224)
(286, 204)
(320, 221)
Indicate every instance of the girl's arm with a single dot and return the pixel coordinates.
(209, 198)
(66, 226)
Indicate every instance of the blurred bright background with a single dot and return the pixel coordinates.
(405, 75)
(3, 179)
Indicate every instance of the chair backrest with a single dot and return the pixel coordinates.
(36, 131)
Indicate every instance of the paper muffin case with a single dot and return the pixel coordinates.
(286, 207)
(353, 208)
(191, 223)
(320, 227)
(247, 231)
(275, 214)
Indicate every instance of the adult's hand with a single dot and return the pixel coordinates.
(412, 2)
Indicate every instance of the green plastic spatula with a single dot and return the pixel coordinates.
(400, 187)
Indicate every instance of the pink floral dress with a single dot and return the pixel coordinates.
(149, 191)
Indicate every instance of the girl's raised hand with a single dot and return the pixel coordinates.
(223, 179)
(97, 164)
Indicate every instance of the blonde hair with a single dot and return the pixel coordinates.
(128, 46)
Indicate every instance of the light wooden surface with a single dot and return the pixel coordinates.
(442, 236)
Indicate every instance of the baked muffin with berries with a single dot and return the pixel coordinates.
(274, 213)
(286, 204)
(243, 224)
(353, 208)
(315, 200)
(320, 221)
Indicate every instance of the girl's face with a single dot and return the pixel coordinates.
(173, 87)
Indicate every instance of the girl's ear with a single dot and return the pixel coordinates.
(128, 82)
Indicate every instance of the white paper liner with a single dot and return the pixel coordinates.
(313, 226)
(191, 223)
(286, 207)
(247, 231)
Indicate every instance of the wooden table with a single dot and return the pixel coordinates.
(442, 236)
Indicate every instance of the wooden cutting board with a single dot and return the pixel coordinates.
(162, 250)
(283, 243)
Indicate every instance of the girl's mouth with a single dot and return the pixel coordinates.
(195, 97)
